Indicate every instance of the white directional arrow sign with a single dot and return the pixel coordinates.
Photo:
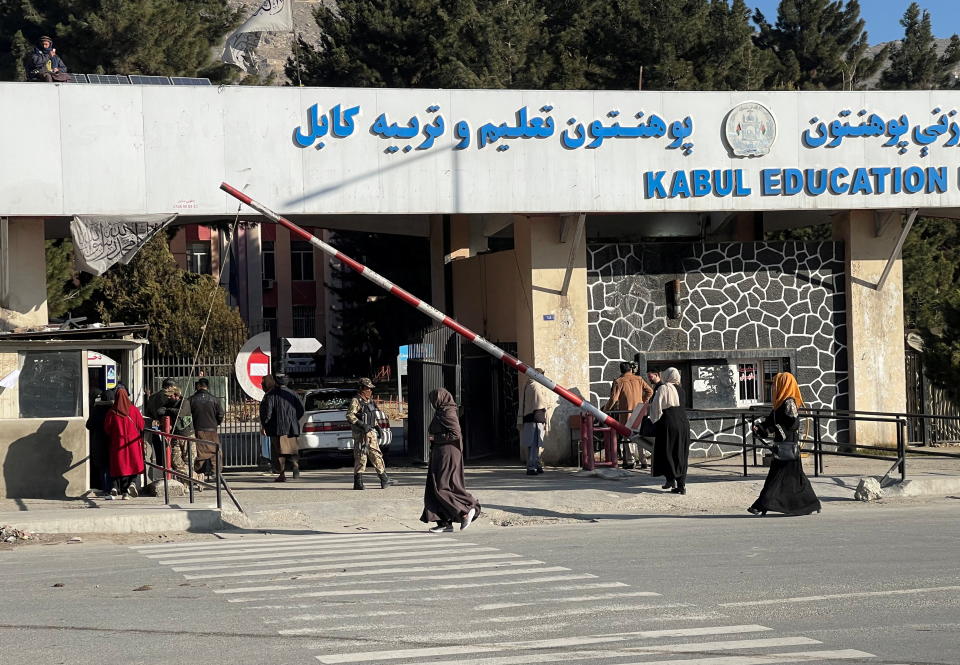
(302, 344)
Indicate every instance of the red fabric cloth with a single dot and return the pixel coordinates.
(125, 442)
(121, 402)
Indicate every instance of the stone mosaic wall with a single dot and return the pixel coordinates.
(735, 297)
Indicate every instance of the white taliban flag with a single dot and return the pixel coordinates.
(271, 16)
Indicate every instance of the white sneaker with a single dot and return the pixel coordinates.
(468, 519)
(441, 528)
(132, 491)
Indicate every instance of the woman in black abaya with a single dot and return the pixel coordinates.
(671, 447)
(786, 489)
(445, 498)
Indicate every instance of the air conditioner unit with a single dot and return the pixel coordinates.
(267, 284)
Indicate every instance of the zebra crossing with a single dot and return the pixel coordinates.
(440, 600)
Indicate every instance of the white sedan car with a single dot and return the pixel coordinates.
(324, 427)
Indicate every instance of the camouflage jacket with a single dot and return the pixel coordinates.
(361, 413)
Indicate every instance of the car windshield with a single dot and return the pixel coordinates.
(328, 400)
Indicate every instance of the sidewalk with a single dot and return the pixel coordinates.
(323, 498)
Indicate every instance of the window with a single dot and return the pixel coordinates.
(51, 384)
(198, 257)
(328, 400)
(304, 321)
(719, 384)
(267, 260)
(755, 378)
(748, 381)
(301, 261)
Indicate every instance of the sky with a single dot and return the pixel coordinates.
(883, 16)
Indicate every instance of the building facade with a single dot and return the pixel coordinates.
(582, 227)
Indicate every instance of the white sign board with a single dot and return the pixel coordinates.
(152, 149)
(302, 344)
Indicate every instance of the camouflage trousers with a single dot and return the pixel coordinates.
(180, 454)
(371, 451)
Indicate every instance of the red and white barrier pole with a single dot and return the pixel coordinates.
(432, 312)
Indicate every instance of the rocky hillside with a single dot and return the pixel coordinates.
(941, 45)
(275, 47)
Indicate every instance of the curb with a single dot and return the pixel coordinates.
(923, 487)
(117, 522)
(870, 489)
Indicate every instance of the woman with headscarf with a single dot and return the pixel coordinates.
(445, 498)
(786, 489)
(123, 425)
(671, 447)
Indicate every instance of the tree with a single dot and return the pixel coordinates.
(67, 289)
(728, 58)
(152, 289)
(425, 44)
(931, 268)
(154, 37)
(569, 44)
(914, 63)
(818, 45)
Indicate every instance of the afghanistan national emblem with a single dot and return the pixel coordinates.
(750, 130)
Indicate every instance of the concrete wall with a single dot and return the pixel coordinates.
(9, 397)
(115, 149)
(874, 323)
(552, 331)
(485, 289)
(740, 300)
(24, 265)
(44, 459)
(40, 458)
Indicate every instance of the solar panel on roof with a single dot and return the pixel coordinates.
(109, 79)
(138, 79)
(78, 78)
(189, 80)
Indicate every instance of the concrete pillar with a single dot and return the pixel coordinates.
(282, 261)
(330, 305)
(467, 237)
(254, 276)
(23, 261)
(178, 247)
(551, 325)
(437, 279)
(875, 354)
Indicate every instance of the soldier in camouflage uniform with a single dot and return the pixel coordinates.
(362, 416)
(169, 402)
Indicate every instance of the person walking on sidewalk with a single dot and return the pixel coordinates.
(123, 425)
(537, 399)
(671, 447)
(207, 413)
(363, 416)
(280, 413)
(627, 392)
(786, 489)
(445, 497)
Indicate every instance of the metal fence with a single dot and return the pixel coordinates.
(240, 431)
(923, 397)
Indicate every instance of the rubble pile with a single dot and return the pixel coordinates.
(8, 534)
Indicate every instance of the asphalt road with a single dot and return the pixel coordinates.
(873, 586)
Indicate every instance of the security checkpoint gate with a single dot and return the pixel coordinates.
(240, 431)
